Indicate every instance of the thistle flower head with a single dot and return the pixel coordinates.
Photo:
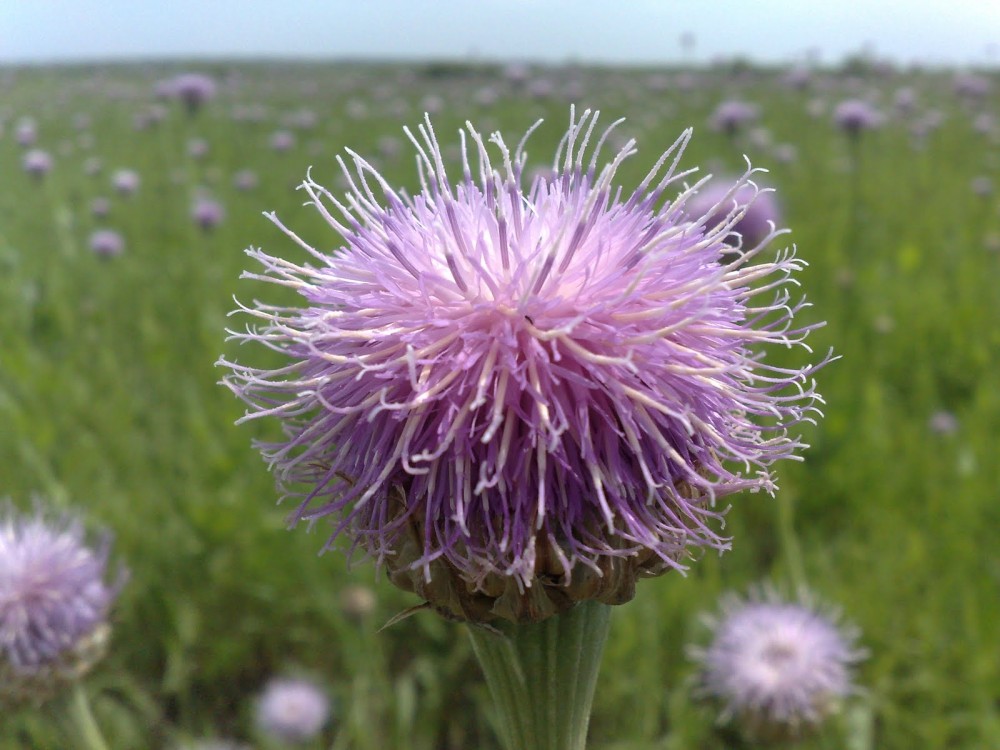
(715, 201)
(207, 213)
(517, 396)
(855, 115)
(193, 90)
(779, 668)
(54, 603)
(126, 181)
(107, 243)
(37, 163)
(732, 115)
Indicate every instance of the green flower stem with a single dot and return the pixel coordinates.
(87, 731)
(790, 547)
(542, 676)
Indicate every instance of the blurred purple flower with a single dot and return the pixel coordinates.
(758, 211)
(778, 668)
(971, 85)
(245, 179)
(37, 163)
(107, 243)
(798, 78)
(26, 133)
(194, 90)
(982, 186)
(854, 115)
(207, 213)
(518, 396)
(732, 115)
(292, 710)
(54, 603)
(282, 140)
(125, 181)
(943, 422)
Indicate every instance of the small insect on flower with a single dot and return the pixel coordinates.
(54, 604)
(778, 668)
(519, 396)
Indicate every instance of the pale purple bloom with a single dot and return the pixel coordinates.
(798, 78)
(758, 211)
(54, 603)
(303, 119)
(854, 115)
(292, 710)
(432, 103)
(982, 186)
(197, 148)
(26, 133)
(732, 115)
(984, 123)
(778, 668)
(37, 163)
(207, 213)
(971, 85)
(785, 153)
(527, 383)
(107, 243)
(245, 179)
(517, 73)
(905, 100)
(282, 140)
(193, 89)
(943, 422)
(125, 181)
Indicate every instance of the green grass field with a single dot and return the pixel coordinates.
(109, 402)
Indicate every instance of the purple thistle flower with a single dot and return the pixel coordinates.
(282, 140)
(54, 604)
(731, 116)
(107, 243)
(854, 115)
(292, 710)
(37, 163)
(245, 179)
(207, 213)
(125, 182)
(27, 133)
(778, 668)
(943, 422)
(529, 394)
(194, 90)
(716, 200)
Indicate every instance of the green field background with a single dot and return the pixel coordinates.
(110, 406)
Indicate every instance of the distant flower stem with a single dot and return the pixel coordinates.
(542, 676)
(790, 547)
(83, 722)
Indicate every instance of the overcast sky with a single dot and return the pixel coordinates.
(957, 32)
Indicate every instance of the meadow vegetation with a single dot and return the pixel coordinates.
(110, 405)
